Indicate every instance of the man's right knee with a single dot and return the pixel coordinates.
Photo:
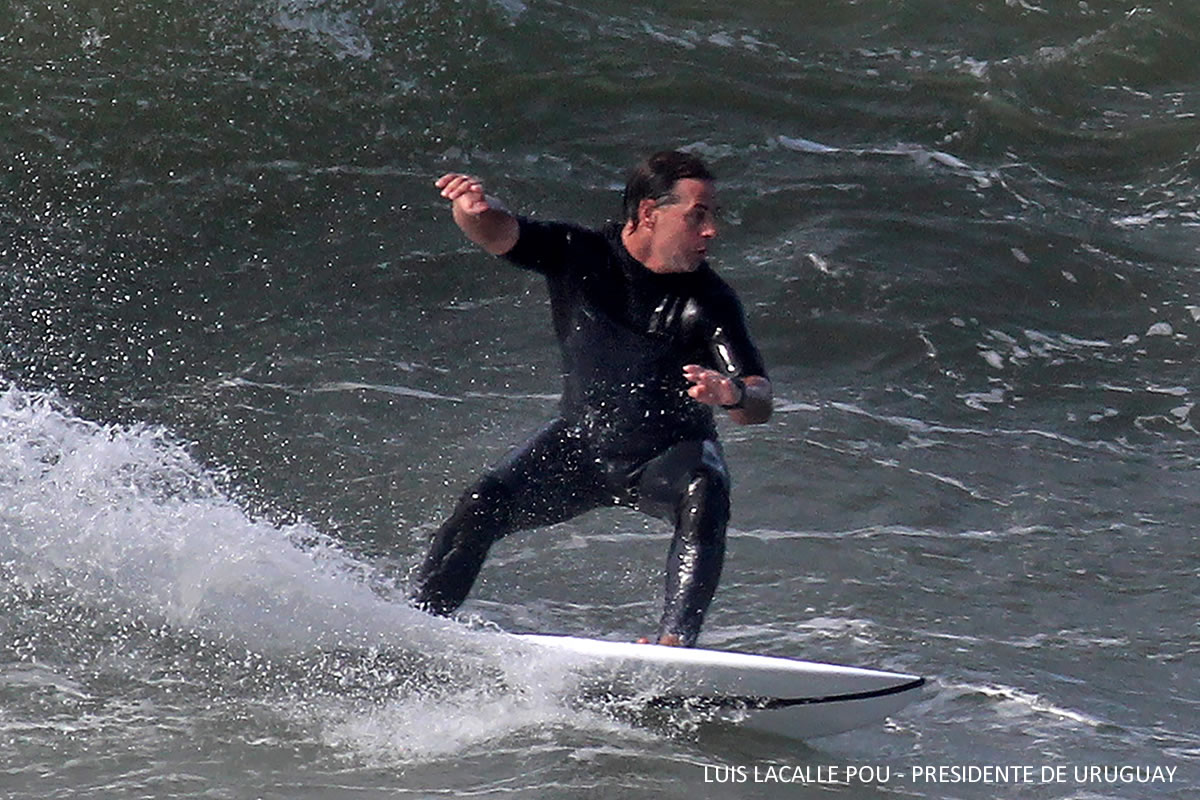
(486, 505)
(460, 546)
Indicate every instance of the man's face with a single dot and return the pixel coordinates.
(684, 224)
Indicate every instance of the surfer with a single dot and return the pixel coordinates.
(652, 341)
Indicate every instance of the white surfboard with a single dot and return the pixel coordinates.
(798, 699)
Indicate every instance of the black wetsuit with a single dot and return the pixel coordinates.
(627, 433)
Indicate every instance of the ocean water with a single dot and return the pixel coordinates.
(247, 364)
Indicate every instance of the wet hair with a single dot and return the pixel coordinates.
(655, 179)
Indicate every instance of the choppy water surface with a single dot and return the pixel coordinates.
(247, 363)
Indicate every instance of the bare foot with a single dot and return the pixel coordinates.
(667, 639)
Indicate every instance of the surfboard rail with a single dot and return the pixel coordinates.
(791, 697)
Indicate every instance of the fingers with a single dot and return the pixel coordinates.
(454, 185)
(698, 374)
(702, 377)
(705, 384)
(709, 386)
(465, 191)
(452, 181)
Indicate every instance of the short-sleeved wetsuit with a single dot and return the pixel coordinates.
(627, 431)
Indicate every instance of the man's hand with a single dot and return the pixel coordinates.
(711, 387)
(465, 192)
(482, 218)
(714, 389)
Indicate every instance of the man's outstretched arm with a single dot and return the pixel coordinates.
(483, 219)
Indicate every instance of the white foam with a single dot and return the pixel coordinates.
(337, 30)
(1014, 703)
(125, 517)
(417, 729)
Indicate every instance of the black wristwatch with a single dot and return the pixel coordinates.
(741, 403)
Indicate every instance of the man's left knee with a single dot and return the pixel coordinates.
(704, 506)
(688, 471)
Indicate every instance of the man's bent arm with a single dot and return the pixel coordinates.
(482, 218)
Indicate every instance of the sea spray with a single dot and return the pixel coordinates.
(124, 515)
(133, 546)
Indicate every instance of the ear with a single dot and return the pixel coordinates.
(646, 212)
